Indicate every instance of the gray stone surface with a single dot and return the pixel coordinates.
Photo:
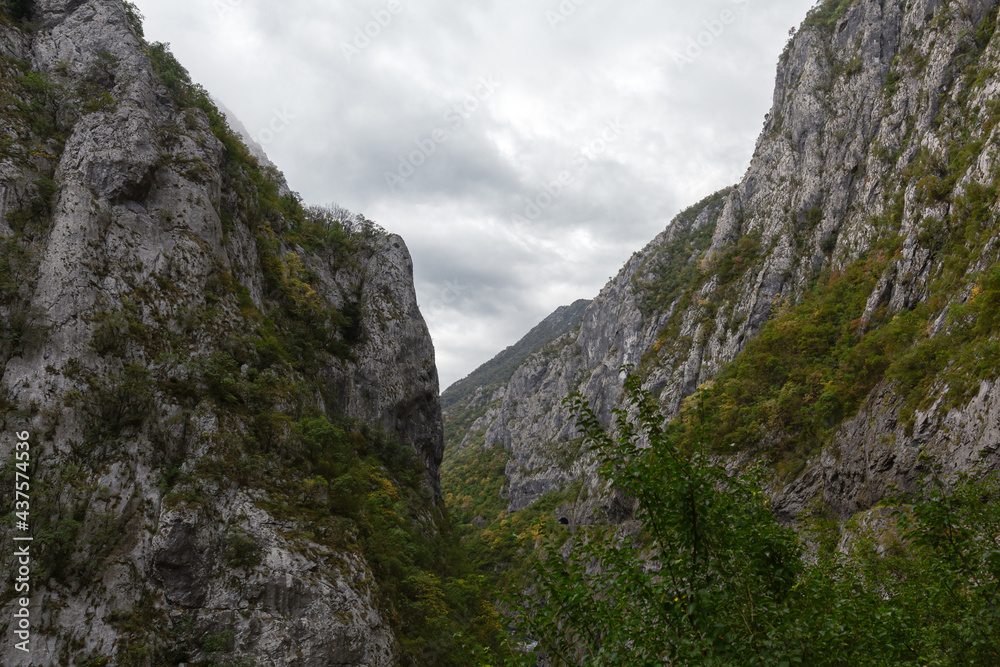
(139, 190)
(826, 166)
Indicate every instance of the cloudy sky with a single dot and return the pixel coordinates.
(524, 149)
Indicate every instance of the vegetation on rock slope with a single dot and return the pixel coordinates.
(255, 366)
(472, 476)
(497, 371)
(711, 578)
(920, 595)
(371, 492)
(908, 595)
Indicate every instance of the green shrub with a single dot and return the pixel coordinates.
(220, 642)
(242, 551)
(713, 579)
(827, 14)
(134, 17)
(733, 263)
(892, 80)
(42, 98)
(94, 88)
(172, 74)
(119, 405)
(33, 219)
(17, 10)
(23, 330)
(716, 552)
(56, 542)
(16, 267)
(140, 629)
(100, 102)
(115, 329)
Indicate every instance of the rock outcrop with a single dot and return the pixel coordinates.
(879, 155)
(175, 326)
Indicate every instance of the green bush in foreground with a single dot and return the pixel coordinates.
(713, 579)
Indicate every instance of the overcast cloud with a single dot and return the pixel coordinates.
(524, 149)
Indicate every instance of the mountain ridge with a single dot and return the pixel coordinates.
(498, 370)
(858, 188)
(230, 397)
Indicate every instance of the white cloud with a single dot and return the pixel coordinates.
(690, 129)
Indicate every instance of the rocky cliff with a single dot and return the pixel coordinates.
(496, 372)
(533, 424)
(231, 398)
(836, 306)
(471, 403)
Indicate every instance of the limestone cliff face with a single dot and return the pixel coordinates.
(532, 423)
(171, 318)
(881, 144)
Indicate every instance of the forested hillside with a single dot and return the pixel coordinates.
(829, 320)
(771, 439)
(228, 399)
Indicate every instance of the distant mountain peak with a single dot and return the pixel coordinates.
(498, 370)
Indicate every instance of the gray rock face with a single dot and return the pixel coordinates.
(149, 261)
(394, 382)
(252, 145)
(533, 423)
(873, 453)
(864, 99)
(473, 390)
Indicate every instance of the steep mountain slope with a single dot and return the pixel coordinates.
(472, 474)
(472, 400)
(497, 371)
(533, 423)
(237, 126)
(231, 399)
(837, 306)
